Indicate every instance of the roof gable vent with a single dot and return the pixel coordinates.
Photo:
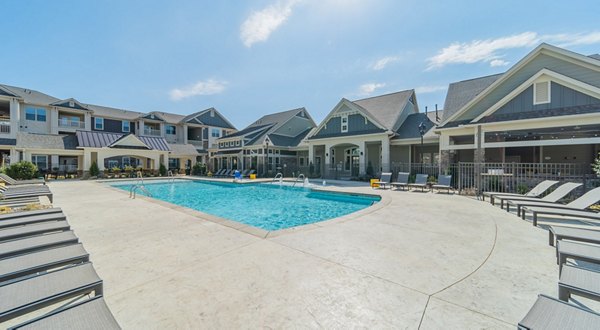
(71, 104)
(212, 112)
(541, 92)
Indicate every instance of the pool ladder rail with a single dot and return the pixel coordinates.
(278, 177)
(139, 185)
(170, 176)
(298, 180)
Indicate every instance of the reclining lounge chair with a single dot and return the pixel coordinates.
(575, 208)
(550, 313)
(384, 180)
(534, 192)
(420, 182)
(553, 197)
(401, 181)
(444, 182)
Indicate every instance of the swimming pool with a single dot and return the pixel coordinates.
(266, 206)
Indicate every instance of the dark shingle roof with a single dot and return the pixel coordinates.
(183, 150)
(248, 130)
(287, 141)
(46, 141)
(204, 118)
(6, 92)
(386, 109)
(595, 56)
(410, 127)
(30, 96)
(565, 111)
(460, 93)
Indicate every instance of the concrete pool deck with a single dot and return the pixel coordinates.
(421, 261)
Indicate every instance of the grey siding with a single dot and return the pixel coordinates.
(540, 62)
(113, 126)
(357, 125)
(560, 97)
(216, 121)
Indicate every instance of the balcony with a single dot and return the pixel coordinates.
(199, 144)
(151, 131)
(65, 122)
(4, 127)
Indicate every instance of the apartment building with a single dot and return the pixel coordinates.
(68, 135)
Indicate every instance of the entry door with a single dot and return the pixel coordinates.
(355, 165)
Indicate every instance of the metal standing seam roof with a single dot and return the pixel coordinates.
(95, 139)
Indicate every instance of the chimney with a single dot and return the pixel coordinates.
(437, 118)
(425, 109)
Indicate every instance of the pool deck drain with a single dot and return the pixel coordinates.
(415, 260)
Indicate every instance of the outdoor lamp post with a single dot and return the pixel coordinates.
(422, 129)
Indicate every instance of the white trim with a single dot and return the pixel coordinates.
(545, 49)
(458, 147)
(344, 124)
(333, 113)
(95, 127)
(123, 126)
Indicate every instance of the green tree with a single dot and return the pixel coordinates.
(94, 170)
(162, 170)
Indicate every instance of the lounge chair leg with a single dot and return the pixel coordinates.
(563, 294)
(507, 207)
(550, 238)
(534, 218)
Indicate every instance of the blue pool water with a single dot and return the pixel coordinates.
(266, 206)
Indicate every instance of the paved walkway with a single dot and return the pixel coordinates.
(422, 261)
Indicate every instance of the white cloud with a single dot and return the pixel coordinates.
(498, 62)
(489, 50)
(383, 62)
(206, 87)
(260, 24)
(366, 89)
(430, 89)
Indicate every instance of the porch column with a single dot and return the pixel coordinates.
(479, 153)
(100, 161)
(185, 134)
(87, 119)
(311, 154)
(14, 155)
(385, 155)
(140, 130)
(53, 118)
(15, 118)
(362, 167)
(327, 156)
(53, 162)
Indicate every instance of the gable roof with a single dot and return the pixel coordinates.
(461, 92)
(543, 48)
(410, 127)
(595, 56)
(30, 96)
(102, 111)
(386, 109)
(6, 92)
(46, 141)
(287, 141)
(204, 118)
(67, 104)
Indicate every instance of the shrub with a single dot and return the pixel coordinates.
(116, 169)
(162, 170)
(596, 165)
(522, 189)
(94, 170)
(129, 168)
(199, 169)
(22, 170)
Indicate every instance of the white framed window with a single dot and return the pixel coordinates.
(237, 143)
(126, 126)
(227, 144)
(99, 123)
(541, 92)
(344, 124)
(35, 114)
(41, 161)
(215, 132)
(221, 144)
(170, 129)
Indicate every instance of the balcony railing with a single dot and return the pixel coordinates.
(5, 127)
(151, 131)
(71, 123)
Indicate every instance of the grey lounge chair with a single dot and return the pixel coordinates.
(36, 243)
(15, 195)
(401, 180)
(225, 174)
(21, 214)
(558, 233)
(384, 180)
(575, 208)
(552, 314)
(32, 230)
(579, 281)
(32, 219)
(32, 293)
(580, 203)
(218, 172)
(420, 182)
(577, 251)
(553, 197)
(88, 312)
(13, 182)
(39, 261)
(534, 192)
(20, 202)
(11, 189)
(444, 182)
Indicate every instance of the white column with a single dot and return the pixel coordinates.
(87, 117)
(162, 129)
(53, 162)
(14, 155)
(185, 134)
(362, 158)
(15, 118)
(385, 155)
(100, 160)
(87, 160)
(327, 155)
(140, 131)
(53, 118)
(27, 155)
(311, 154)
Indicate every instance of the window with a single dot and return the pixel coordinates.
(113, 163)
(541, 92)
(126, 161)
(221, 144)
(344, 124)
(125, 126)
(301, 159)
(170, 129)
(173, 163)
(35, 114)
(215, 132)
(41, 161)
(237, 143)
(99, 123)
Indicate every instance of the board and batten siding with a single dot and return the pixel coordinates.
(560, 97)
(542, 61)
(357, 125)
(113, 126)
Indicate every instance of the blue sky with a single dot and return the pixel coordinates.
(250, 58)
